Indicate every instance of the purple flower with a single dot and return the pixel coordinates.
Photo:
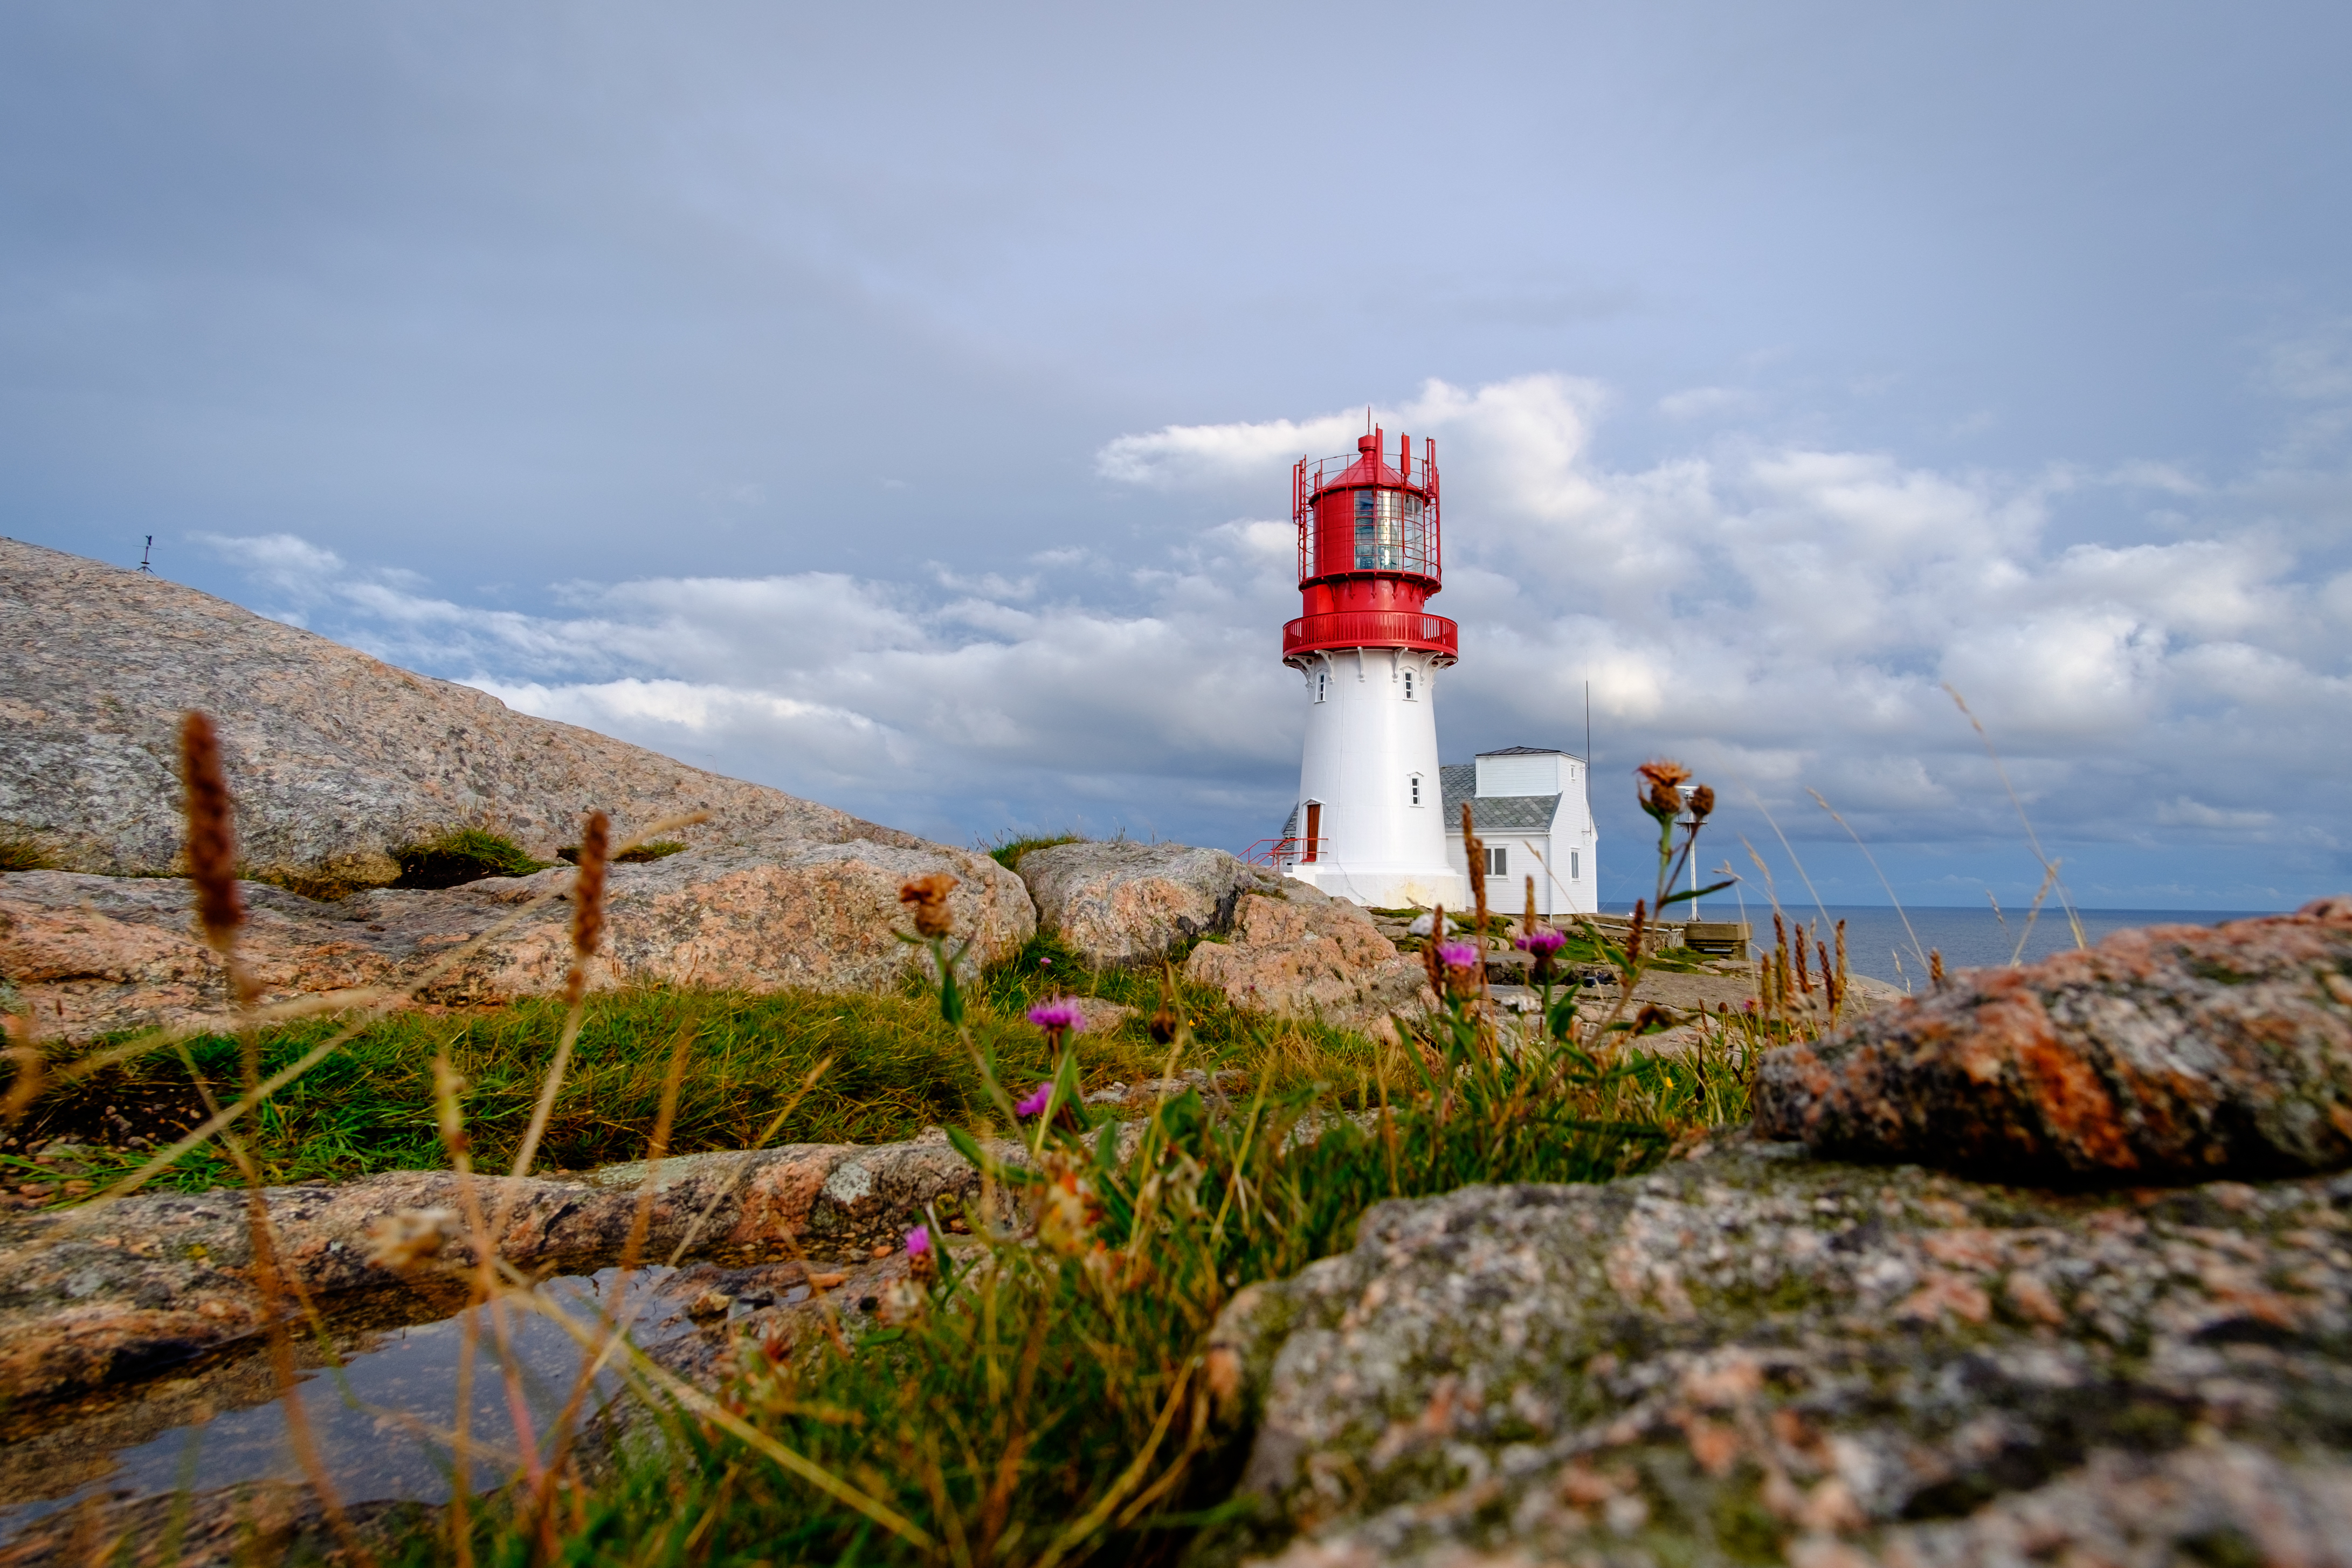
(1038, 1099)
(1458, 955)
(1543, 944)
(918, 1240)
(1060, 1014)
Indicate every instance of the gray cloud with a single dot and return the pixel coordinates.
(1785, 619)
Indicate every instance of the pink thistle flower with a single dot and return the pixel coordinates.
(918, 1240)
(1062, 1015)
(1542, 944)
(1458, 955)
(1039, 1098)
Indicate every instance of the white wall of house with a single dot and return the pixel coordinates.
(1560, 855)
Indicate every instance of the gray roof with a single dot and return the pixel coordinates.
(1493, 813)
(1530, 751)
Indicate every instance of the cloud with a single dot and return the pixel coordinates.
(1781, 615)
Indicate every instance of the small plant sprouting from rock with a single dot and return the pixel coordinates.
(460, 855)
(22, 851)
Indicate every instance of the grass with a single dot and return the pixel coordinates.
(1054, 1398)
(21, 851)
(457, 855)
(1050, 1395)
(1007, 852)
(897, 1068)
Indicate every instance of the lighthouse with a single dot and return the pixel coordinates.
(1370, 822)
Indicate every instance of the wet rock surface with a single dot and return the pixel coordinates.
(96, 953)
(2170, 1053)
(1754, 1355)
(100, 1297)
(1119, 903)
(1306, 955)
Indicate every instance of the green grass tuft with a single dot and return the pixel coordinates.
(1007, 852)
(457, 855)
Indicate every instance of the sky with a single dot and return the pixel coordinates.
(894, 403)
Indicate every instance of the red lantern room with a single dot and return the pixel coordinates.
(1368, 553)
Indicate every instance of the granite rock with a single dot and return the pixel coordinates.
(1751, 1356)
(1303, 954)
(2169, 1054)
(335, 757)
(93, 953)
(1119, 903)
(108, 1294)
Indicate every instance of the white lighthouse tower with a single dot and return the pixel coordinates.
(1370, 824)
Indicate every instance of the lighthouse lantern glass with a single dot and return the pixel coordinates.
(1390, 536)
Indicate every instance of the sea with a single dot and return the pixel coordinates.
(1880, 943)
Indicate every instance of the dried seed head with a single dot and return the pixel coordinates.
(588, 887)
(1702, 802)
(212, 833)
(588, 902)
(928, 896)
(1165, 1021)
(1936, 968)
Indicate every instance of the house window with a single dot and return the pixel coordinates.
(1408, 689)
(1498, 861)
(1416, 788)
(1573, 874)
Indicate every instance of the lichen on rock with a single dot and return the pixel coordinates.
(1116, 901)
(1307, 955)
(2169, 1054)
(1754, 1355)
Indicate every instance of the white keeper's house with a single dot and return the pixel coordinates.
(1533, 807)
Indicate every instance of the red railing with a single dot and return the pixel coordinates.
(1371, 629)
(1305, 484)
(1284, 854)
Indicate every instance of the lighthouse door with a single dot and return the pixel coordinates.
(1314, 830)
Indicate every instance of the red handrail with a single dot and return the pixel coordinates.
(1284, 854)
(1373, 629)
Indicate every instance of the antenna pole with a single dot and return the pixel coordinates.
(144, 554)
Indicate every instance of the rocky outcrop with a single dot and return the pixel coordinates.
(93, 953)
(1119, 903)
(1756, 1356)
(335, 760)
(1302, 953)
(335, 757)
(2176, 1052)
(106, 1294)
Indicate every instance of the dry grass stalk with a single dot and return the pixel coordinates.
(211, 822)
(588, 902)
(618, 1324)
(211, 817)
(1474, 857)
